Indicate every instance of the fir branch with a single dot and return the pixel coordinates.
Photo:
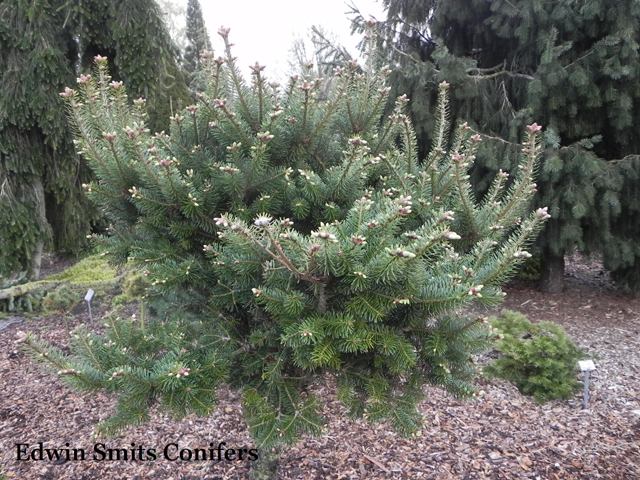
(270, 180)
(195, 127)
(526, 172)
(233, 71)
(463, 192)
(329, 112)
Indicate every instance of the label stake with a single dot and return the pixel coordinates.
(587, 366)
(87, 298)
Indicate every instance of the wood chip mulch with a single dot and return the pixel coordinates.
(501, 435)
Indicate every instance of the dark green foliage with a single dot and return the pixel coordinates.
(43, 45)
(34, 68)
(539, 358)
(570, 66)
(286, 238)
(530, 270)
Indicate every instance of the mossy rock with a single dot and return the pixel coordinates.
(92, 272)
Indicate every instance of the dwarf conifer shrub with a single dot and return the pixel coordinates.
(539, 358)
(60, 300)
(287, 238)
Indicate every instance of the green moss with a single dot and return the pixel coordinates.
(91, 269)
(93, 272)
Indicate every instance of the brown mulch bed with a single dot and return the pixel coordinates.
(501, 435)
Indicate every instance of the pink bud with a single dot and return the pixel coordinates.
(164, 163)
(256, 68)
(68, 92)
(543, 213)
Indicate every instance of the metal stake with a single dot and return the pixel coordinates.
(585, 396)
(87, 298)
(587, 366)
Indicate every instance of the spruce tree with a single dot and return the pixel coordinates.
(197, 43)
(173, 16)
(43, 44)
(289, 239)
(571, 66)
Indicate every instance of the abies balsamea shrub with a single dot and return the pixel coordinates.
(538, 358)
(288, 240)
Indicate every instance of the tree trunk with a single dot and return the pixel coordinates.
(266, 467)
(41, 215)
(551, 272)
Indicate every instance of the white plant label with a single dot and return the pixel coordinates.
(586, 365)
(89, 295)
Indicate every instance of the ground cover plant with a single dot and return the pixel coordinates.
(286, 239)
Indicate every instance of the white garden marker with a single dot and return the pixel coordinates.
(87, 298)
(587, 366)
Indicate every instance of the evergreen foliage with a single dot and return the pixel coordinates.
(43, 44)
(317, 57)
(287, 238)
(571, 66)
(197, 44)
(539, 358)
(61, 300)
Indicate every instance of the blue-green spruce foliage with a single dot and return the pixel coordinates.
(293, 240)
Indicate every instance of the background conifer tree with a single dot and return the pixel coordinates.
(289, 239)
(316, 57)
(198, 42)
(571, 66)
(43, 44)
(174, 15)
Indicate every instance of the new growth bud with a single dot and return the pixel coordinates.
(262, 221)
